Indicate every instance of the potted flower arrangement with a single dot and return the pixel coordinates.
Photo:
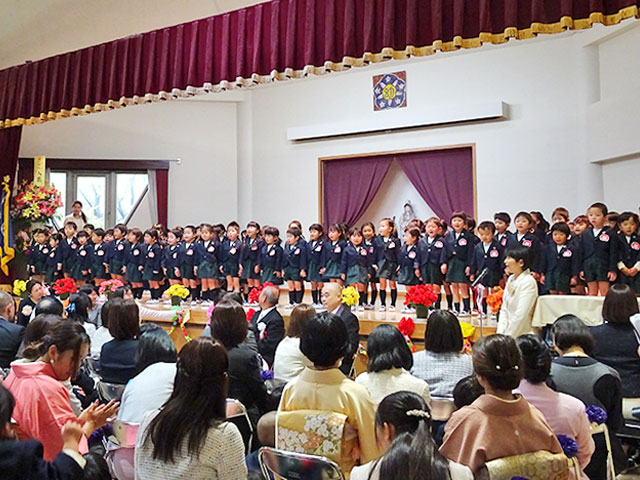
(33, 203)
(109, 287)
(64, 287)
(177, 294)
(20, 288)
(350, 296)
(420, 297)
(495, 300)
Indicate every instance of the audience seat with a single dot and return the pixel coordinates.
(109, 391)
(237, 414)
(294, 466)
(540, 465)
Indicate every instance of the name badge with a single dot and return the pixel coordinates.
(438, 244)
(604, 237)
(74, 246)
(175, 255)
(210, 249)
(100, 253)
(319, 248)
(296, 251)
(52, 255)
(151, 255)
(233, 251)
(635, 245)
(272, 253)
(412, 255)
(120, 247)
(363, 252)
(189, 252)
(337, 250)
(371, 249)
(494, 254)
(83, 253)
(254, 247)
(567, 253)
(503, 242)
(391, 245)
(45, 251)
(462, 242)
(136, 253)
(526, 243)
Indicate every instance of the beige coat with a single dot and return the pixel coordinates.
(518, 305)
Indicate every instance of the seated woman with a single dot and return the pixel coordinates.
(390, 360)
(592, 382)
(617, 343)
(35, 292)
(199, 445)
(94, 309)
(78, 311)
(117, 357)
(229, 327)
(324, 387)
(289, 361)
(498, 424)
(42, 401)
(403, 432)
(102, 334)
(441, 364)
(566, 415)
(155, 360)
(520, 293)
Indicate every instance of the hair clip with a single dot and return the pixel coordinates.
(71, 308)
(498, 367)
(418, 413)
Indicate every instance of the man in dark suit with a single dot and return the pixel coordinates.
(267, 324)
(332, 301)
(10, 334)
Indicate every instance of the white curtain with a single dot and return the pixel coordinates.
(153, 196)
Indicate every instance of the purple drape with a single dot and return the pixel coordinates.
(350, 185)
(9, 149)
(277, 40)
(443, 178)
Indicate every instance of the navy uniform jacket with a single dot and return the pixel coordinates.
(152, 257)
(99, 254)
(628, 249)
(207, 251)
(315, 252)
(461, 247)
(409, 257)
(83, 256)
(333, 251)
(38, 257)
(118, 250)
(295, 256)
(388, 250)
(371, 248)
(24, 461)
(430, 252)
(529, 240)
(54, 258)
(68, 247)
(566, 261)
(251, 250)
(475, 239)
(271, 256)
(492, 259)
(171, 258)
(354, 256)
(231, 251)
(188, 255)
(504, 239)
(602, 246)
(134, 255)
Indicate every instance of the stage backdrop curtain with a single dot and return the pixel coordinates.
(277, 40)
(158, 194)
(350, 185)
(443, 178)
(9, 149)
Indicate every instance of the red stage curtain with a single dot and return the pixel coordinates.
(274, 41)
(162, 194)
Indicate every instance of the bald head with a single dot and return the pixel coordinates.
(268, 297)
(7, 306)
(331, 296)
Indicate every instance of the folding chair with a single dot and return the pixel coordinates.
(296, 466)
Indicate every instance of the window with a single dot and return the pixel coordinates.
(107, 197)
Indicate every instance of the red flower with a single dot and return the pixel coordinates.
(406, 326)
(250, 313)
(65, 285)
(420, 295)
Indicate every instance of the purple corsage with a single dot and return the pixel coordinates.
(569, 445)
(596, 414)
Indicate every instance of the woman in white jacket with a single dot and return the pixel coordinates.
(520, 294)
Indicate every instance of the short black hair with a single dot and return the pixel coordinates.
(466, 391)
(536, 357)
(620, 304)
(96, 467)
(49, 305)
(388, 349)
(124, 319)
(520, 253)
(561, 227)
(569, 331)
(600, 206)
(443, 333)
(324, 339)
(7, 404)
(487, 225)
(155, 346)
(504, 216)
(229, 324)
(30, 284)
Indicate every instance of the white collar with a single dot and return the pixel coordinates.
(265, 312)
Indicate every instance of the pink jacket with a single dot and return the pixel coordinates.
(42, 406)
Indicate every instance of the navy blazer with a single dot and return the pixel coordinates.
(117, 361)
(134, 255)
(529, 240)
(354, 256)
(602, 246)
(210, 252)
(99, 254)
(315, 252)
(461, 247)
(188, 254)
(269, 336)
(566, 261)
(231, 251)
(409, 257)
(492, 259)
(628, 251)
(271, 256)
(353, 330)
(333, 251)
(11, 336)
(153, 257)
(53, 260)
(389, 250)
(24, 461)
(503, 239)
(251, 250)
(295, 256)
(171, 257)
(430, 252)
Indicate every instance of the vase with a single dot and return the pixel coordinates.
(175, 301)
(422, 311)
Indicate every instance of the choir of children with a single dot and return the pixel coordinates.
(583, 256)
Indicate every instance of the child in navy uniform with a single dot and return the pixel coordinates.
(53, 261)
(82, 263)
(333, 251)
(471, 228)
(38, 254)
(315, 248)
(526, 238)
(249, 257)
(171, 258)
(117, 252)
(369, 235)
(354, 266)
(502, 220)
(231, 253)
(628, 248)
(489, 255)
(456, 262)
(133, 260)
(430, 250)
(68, 247)
(187, 255)
(598, 252)
(295, 265)
(562, 261)
(98, 259)
(387, 246)
(152, 265)
(207, 263)
(409, 261)
(270, 262)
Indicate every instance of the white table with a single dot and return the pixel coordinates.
(550, 307)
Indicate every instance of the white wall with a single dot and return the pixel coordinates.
(202, 188)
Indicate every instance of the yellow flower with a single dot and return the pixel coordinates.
(19, 287)
(467, 329)
(177, 291)
(350, 296)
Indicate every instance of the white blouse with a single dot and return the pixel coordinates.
(289, 361)
(147, 391)
(457, 471)
(518, 304)
(386, 382)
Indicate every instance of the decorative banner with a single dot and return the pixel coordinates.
(39, 167)
(390, 91)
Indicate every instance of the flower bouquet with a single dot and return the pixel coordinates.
(350, 296)
(20, 288)
(34, 203)
(109, 287)
(420, 297)
(177, 294)
(406, 325)
(495, 300)
(64, 287)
